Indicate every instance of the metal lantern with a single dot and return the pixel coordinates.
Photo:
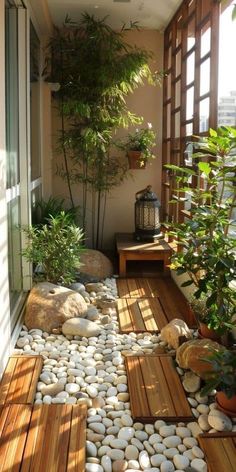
(147, 220)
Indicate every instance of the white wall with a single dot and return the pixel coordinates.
(4, 292)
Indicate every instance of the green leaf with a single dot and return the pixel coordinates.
(204, 167)
(187, 283)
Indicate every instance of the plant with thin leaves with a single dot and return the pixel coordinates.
(222, 376)
(97, 69)
(43, 209)
(207, 239)
(56, 247)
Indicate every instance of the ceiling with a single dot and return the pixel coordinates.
(151, 14)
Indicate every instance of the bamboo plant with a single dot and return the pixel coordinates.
(96, 70)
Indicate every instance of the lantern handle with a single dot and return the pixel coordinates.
(141, 192)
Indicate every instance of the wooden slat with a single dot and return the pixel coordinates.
(179, 399)
(133, 288)
(76, 457)
(144, 289)
(135, 315)
(138, 396)
(14, 424)
(56, 439)
(141, 314)
(122, 287)
(220, 451)
(125, 321)
(159, 318)
(147, 315)
(159, 398)
(156, 390)
(19, 381)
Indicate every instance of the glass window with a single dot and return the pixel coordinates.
(205, 40)
(205, 77)
(191, 34)
(178, 64)
(204, 115)
(190, 68)
(227, 68)
(35, 103)
(189, 103)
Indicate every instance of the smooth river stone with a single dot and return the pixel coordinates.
(118, 443)
(131, 452)
(167, 466)
(166, 431)
(219, 421)
(126, 420)
(116, 454)
(157, 459)
(119, 466)
(172, 441)
(52, 389)
(106, 463)
(93, 467)
(98, 428)
(126, 433)
(144, 460)
(180, 462)
(199, 465)
(91, 449)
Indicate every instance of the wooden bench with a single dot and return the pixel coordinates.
(220, 451)
(139, 315)
(42, 438)
(156, 391)
(130, 250)
(19, 381)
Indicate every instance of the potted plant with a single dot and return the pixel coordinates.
(201, 315)
(222, 377)
(207, 238)
(138, 146)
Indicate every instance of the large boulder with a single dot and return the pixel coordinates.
(49, 306)
(95, 265)
(175, 332)
(190, 354)
(81, 327)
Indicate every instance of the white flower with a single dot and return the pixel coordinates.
(149, 125)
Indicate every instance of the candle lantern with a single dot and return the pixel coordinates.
(147, 216)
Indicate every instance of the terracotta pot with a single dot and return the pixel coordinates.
(227, 405)
(208, 333)
(134, 160)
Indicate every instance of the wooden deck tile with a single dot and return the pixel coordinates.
(171, 299)
(155, 389)
(42, 438)
(19, 381)
(141, 314)
(220, 451)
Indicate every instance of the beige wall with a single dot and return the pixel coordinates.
(4, 294)
(146, 101)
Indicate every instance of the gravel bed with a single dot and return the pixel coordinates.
(79, 369)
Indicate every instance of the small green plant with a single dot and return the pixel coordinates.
(56, 247)
(223, 374)
(142, 140)
(42, 210)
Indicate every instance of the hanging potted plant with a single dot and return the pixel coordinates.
(222, 377)
(207, 238)
(138, 147)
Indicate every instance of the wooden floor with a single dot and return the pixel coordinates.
(163, 301)
(42, 438)
(156, 391)
(220, 451)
